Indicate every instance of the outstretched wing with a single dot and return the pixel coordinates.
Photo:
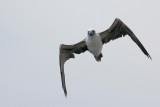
(67, 52)
(119, 29)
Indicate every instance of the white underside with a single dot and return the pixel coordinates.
(94, 44)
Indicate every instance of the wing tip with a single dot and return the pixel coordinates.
(65, 92)
(149, 56)
(64, 88)
(65, 95)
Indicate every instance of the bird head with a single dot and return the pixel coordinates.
(91, 32)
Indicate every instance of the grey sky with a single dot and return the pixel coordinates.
(32, 30)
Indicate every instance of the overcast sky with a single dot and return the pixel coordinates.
(32, 30)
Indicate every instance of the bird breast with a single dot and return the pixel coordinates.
(94, 44)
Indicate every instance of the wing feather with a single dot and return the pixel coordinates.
(119, 29)
(67, 52)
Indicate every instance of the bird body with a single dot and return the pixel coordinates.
(94, 44)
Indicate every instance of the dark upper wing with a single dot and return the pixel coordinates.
(119, 29)
(66, 52)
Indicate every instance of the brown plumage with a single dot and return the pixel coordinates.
(116, 30)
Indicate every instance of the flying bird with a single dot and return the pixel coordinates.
(94, 43)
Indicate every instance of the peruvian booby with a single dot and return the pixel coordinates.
(94, 42)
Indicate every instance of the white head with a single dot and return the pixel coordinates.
(91, 32)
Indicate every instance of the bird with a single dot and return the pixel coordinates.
(94, 43)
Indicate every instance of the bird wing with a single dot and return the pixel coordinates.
(67, 52)
(119, 29)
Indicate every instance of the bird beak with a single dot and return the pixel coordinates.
(90, 33)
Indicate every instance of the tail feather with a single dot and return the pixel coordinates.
(98, 58)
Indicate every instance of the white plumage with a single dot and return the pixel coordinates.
(94, 44)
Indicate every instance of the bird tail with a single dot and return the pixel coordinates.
(98, 58)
